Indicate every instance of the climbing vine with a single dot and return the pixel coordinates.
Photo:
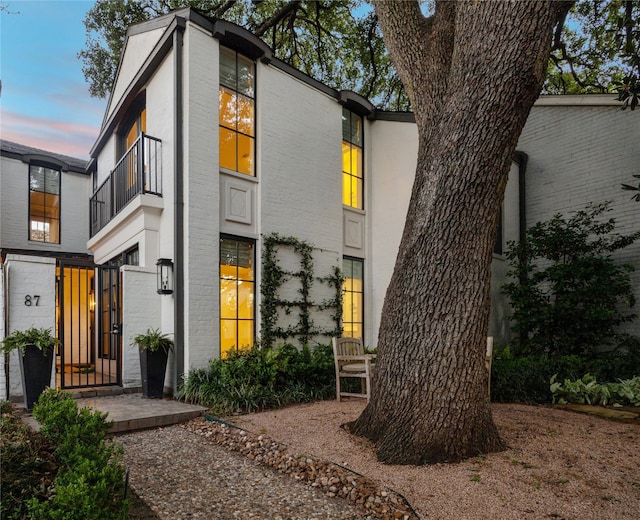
(273, 279)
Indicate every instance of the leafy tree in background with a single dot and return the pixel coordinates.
(337, 42)
(596, 50)
(340, 43)
(570, 294)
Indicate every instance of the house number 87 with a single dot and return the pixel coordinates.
(31, 300)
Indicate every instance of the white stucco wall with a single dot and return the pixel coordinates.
(581, 149)
(75, 190)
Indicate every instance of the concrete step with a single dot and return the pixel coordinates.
(134, 412)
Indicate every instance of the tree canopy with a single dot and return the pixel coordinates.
(340, 43)
(337, 42)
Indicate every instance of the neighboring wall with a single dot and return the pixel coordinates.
(14, 210)
(393, 162)
(581, 149)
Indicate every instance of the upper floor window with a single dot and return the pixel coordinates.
(44, 204)
(136, 127)
(237, 112)
(352, 177)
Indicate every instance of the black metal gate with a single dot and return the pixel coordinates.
(89, 317)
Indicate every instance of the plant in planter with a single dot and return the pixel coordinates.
(37, 350)
(154, 350)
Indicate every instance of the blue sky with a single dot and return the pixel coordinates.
(45, 100)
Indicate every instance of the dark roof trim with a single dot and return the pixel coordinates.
(30, 155)
(356, 103)
(402, 117)
(147, 70)
(241, 40)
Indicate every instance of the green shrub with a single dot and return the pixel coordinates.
(260, 378)
(90, 480)
(568, 294)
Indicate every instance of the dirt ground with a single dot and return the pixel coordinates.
(560, 464)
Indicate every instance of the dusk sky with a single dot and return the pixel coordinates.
(45, 101)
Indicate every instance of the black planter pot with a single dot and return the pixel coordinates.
(35, 369)
(153, 365)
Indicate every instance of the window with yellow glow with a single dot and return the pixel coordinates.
(352, 177)
(237, 295)
(352, 298)
(237, 112)
(137, 128)
(44, 204)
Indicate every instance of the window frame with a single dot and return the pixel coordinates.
(238, 93)
(353, 259)
(353, 143)
(237, 319)
(30, 219)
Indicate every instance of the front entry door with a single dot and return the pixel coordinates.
(87, 295)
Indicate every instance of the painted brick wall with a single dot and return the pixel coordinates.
(29, 276)
(201, 198)
(14, 209)
(299, 141)
(140, 311)
(582, 154)
(3, 379)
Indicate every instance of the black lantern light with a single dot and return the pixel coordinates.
(165, 275)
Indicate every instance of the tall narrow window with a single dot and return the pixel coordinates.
(237, 112)
(237, 293)
(352, 298)
(352, 178)
(44, 204)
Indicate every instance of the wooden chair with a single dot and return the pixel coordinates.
(488, 358)
(351, 361)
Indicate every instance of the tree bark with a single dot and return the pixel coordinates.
(473, 70)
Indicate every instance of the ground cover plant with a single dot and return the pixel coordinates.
(259, 378)
(587, 390)
(518, 378)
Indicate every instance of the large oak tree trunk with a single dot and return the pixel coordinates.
(473, 70)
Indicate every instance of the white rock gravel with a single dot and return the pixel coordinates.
(180, 474)
(560, 465)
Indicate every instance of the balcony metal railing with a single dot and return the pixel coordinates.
(138, 171)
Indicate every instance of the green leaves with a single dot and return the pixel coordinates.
(568, 294)
(19, 340)
(588, 391)
(153, 340)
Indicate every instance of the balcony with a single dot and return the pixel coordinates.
(138, 171)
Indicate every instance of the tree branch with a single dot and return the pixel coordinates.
(287, 9)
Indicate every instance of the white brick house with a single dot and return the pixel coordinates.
(210, 144)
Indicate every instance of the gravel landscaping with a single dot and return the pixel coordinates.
(297, 463)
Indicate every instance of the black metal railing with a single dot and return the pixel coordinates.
(138, 171)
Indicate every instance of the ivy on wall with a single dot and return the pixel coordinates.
(274, 277)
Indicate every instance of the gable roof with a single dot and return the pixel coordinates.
(28, 154)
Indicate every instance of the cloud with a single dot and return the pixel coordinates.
(74, 139)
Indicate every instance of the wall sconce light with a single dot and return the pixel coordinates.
(92, 300)
(165, 275)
